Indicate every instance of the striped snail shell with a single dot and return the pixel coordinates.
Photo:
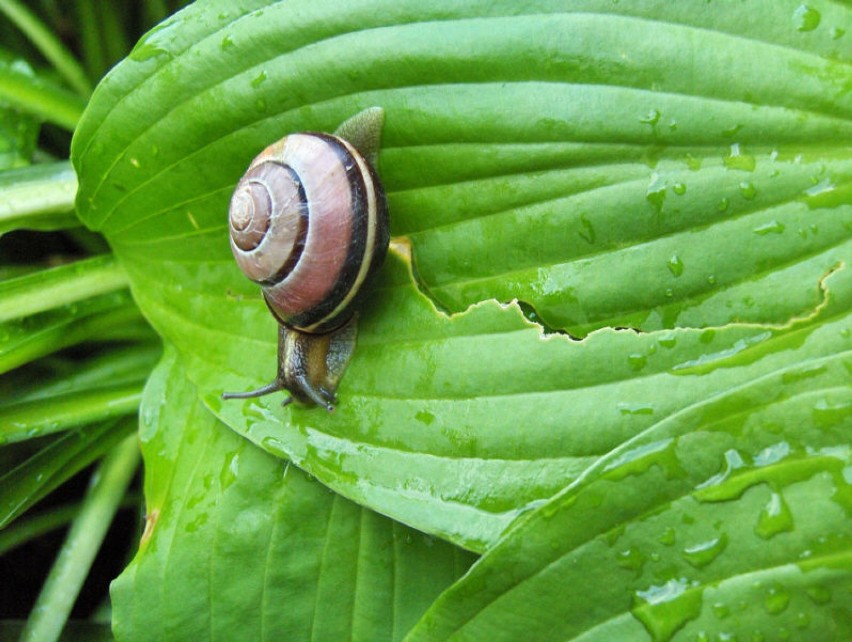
(309, 223)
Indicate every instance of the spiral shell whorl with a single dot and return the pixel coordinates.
(308, 221)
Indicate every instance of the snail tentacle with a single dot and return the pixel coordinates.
(275, 386)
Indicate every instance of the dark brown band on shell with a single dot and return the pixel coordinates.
(362, 213)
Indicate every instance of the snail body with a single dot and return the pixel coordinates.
(308, 222)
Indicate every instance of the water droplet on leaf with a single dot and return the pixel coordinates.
(668, 537)
(675, 265)
(425, 417)
(819, 594)
(831, 412)
(748, 190)
(721, 610)
(700, 555)
(632, 559)
(656, 192)
(732, 131)
(665, 609)
(776, 599)
(667, 341)
(626, 408)
(258, 80)
(772, 227)
(146, 50)
(774, 518)
(651, 118)
(693, 162)
(636, 361)
(806, 18)
(588, 231)
(739, 159)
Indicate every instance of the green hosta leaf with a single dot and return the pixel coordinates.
(454, 425)
(728, 520)
(242, 546)
(632, 164)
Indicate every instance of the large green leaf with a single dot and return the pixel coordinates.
(465, 432)
(239, 545)
(668, 181)
(730, 517)
(676, 166)
(581, 158)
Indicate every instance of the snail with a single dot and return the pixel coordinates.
(309, 222)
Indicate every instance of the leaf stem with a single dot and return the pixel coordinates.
(110, 317)
(48, 44)
(112, 22)
(154, 11)
(38, 197)
(40, 97)
(91, 40)
(34, 527)
(47, 469)
(88, 530)
(31, 528)
(55, 287)
(41, 417)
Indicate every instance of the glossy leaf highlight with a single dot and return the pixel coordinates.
(232, 530)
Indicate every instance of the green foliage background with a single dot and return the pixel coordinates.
(609, 352)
